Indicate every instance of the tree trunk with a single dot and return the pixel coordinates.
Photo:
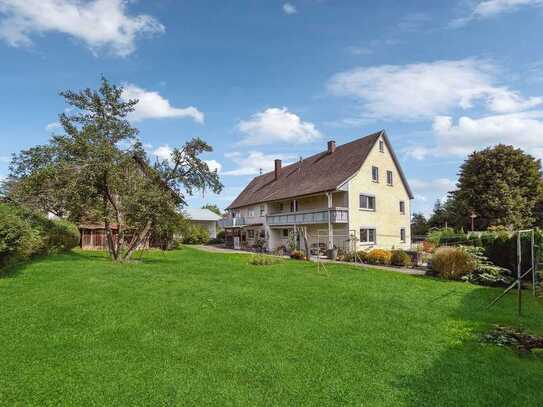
(137, 240)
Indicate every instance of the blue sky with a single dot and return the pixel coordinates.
(271, 79)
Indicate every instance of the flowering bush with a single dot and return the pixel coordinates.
(379, 256)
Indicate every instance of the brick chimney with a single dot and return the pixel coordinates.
(277, 168)
(331, 146)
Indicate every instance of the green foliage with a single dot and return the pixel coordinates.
(446, 236)
(485, 272)
(98, 170)
(502, 185)
(452, 263)
(221, 235)
(263, 260)
(419, 225)
(379, 256)
(24, 233)
(400, 258)
(16, 237)
(196, 234)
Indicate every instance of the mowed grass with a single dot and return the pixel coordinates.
(194, 328)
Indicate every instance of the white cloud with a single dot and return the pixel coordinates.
(418, 152)
(425, 90)
(289, 8)
(214, 165)
(53, 126)
(277, 124)
(153, 106)
(253, 162)
(438, 185)
(101, 24)
(493, 8)
(524, 130)
(163, 153)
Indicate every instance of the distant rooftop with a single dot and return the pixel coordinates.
(200, 214)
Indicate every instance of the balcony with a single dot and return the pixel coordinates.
(337, 215)
(241, 221)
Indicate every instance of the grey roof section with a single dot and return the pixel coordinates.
(201, 214)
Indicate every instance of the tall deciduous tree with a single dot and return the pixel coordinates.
(98, 170)
(501, 186)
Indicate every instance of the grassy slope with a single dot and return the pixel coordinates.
(189, 327)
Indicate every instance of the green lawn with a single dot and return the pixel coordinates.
(188, 327)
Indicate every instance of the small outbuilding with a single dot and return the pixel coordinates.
(204, 218)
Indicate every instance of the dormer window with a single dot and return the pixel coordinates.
(381, 146)
(375, 174)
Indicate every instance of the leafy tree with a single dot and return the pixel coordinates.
(501, 185)
(439, 217)
(419, 225)
(98, 171)
(213, 208)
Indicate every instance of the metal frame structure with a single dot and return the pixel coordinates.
(520, 275)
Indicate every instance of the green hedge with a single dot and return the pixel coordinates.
(24, 233)
(196, 235)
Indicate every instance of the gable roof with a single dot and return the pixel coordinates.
(201, 214)
(319, 173)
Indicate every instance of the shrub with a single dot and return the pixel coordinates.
(297, 255)
(60, 235)
(263, 260)
(358, 256)
(452, 263)
(485, 272)
(17, 239)
(428, 247)
(221, 236)
(196, 235)
(400, 258)
(379, 256)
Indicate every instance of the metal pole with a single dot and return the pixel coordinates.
(519, 279)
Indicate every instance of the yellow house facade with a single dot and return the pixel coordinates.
(353, 196)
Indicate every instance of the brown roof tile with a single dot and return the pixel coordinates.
(318, 173)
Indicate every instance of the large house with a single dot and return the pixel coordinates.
(350, 196)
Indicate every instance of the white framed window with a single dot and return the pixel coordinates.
(390, 179)
(368, 235)
(375, 174)
(281, 207)
(284, 232)
(381, 146)
(251, 212)
(367, 202)
(402, 207)
(402, 235)
(262, 210)
(251, 234)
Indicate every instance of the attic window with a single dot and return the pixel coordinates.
(381, 146)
